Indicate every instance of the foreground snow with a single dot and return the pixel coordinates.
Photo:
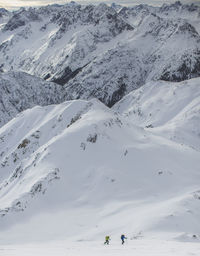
(142, 247)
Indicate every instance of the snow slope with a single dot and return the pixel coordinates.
(20, 91)
(79, 171)
(103, 51)
(166, 108)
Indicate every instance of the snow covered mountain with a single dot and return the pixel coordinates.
(80, 170)
(4, 13)
(20, 91)
(171, 109)
(103, 51)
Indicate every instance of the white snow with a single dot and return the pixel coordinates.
(75, 172)
(169, 109)
(146, 247)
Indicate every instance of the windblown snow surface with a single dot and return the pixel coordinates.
(75, 172)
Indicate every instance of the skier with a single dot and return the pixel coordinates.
(122, 238)
(107, 239)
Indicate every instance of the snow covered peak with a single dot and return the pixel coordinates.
(117, 7)
(21, 18)
(3, 12)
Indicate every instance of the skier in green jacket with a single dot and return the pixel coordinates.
(107, 239)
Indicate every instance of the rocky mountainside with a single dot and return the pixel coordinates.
(103, 51)
(20, 91)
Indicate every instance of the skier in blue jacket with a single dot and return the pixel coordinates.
(123, 238)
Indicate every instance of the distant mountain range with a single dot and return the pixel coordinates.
(102, 51)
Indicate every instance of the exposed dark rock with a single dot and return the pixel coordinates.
(118, 94)
(24, 143)
(67, 75)
(187, 70)
(189, 29)
(92, 138)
